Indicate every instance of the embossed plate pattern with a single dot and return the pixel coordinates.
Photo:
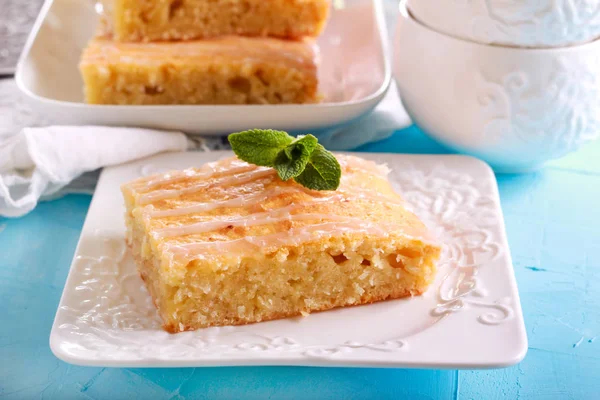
(470, 318)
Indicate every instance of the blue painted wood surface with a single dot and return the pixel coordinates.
(552, 219)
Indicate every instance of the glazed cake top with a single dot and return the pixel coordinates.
(231, 206)
(300, 54)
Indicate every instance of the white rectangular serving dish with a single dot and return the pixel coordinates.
(354, 75)
(470, 318)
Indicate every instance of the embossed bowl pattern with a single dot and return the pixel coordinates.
(539, 23)
(514, 108)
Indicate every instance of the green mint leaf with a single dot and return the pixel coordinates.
(293, 159)
(302, 159)
(323, 171)
(303, 143)
(259, 146)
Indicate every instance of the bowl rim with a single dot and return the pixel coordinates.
(405, 13)
(422, 7)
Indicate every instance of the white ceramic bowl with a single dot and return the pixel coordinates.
(528, 23)
(514, 108)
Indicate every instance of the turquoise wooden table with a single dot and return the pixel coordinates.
(553, 223)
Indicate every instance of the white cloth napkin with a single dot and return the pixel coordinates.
(39, 162)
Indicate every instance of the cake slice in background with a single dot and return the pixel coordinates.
(225, 70)
(152, 20)
(231, 243)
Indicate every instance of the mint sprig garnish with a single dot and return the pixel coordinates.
(302, 159)
(293, 159)
(258, 146)
(322, 172)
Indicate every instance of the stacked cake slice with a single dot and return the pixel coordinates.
(205, 52)
(136, 20)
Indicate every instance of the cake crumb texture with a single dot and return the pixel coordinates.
(227, 70)
(154, 20)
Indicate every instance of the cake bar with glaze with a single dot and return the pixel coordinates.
(153, 20)
(230, 243)
(225, 70)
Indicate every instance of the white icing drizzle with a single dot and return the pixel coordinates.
(236, 166)
(151, 182)
(234, 172)
(264, 218)
(293, 237)
(234, 202)
(256, 198)
(236, 179)
(228, 167)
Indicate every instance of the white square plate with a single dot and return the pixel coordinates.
(470, 318)
(354, 76)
